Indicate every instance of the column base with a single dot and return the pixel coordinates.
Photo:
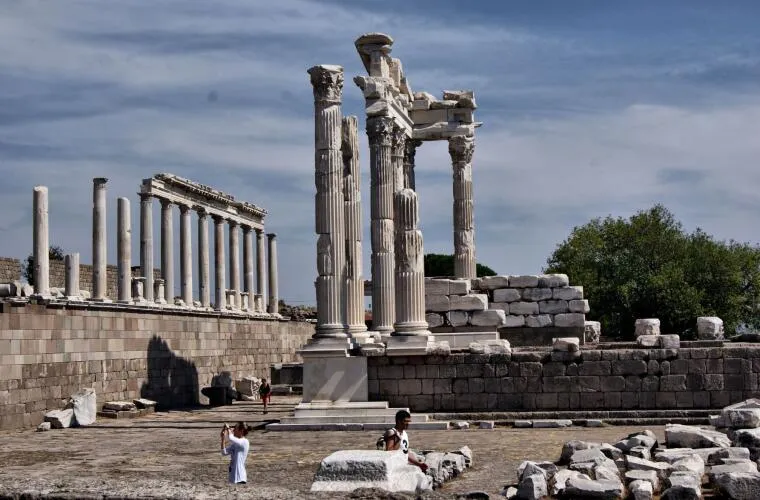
(103, 300)
(327, 377)
(409, 345)
(75, 298)
(411, 328)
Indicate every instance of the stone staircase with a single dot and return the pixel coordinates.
(352, 416)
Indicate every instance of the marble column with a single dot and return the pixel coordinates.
(146, 244)
(260, 270)
(71, 286)
(382, 187)
(123, 251)
(398, 151)
(410, 150)
(327, 82)
(355, 324)
(167, 250)
(248, 265)
(220, 300)
(461, 149)
(185, 255)
(99, 241)
(41, 242)
(234, 237)
(204, 287)
(274, 298)
(410, 267)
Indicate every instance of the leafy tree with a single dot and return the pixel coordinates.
(648, 267)
(437, 264)
(54, 253)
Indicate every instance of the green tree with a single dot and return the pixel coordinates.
(54, 253)
(437, 264)
(648, 266)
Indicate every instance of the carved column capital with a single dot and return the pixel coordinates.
(380, 130)
(461, 149)
(165, 203)
(398, 141)
(410, 150)
(327, 81)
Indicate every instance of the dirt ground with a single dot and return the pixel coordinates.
(176, 455)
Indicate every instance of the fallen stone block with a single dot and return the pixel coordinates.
(688, 436)
(119, 405)
(144, 403)
(549, 424)
(533, 487)
(44, 426)
(640, 452)
(661, 468)
(560, 480)
(641, 490)
(649, 476)
(748, 438)
(739, 485)
(348, 470)
(646, 326)
(592, 331)
(682, 486)
(498, 346)
(717, 470)
(691, 463)
(60, 419)
(744, 415)
(584, 488)
(84, 404)
(570, 447)
(466, 452)
(709, 328)
(566, 344)
(711, 456)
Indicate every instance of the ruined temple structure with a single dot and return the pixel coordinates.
(145, 289)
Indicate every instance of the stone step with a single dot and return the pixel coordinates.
(348, 412)
(575, 415)
(349, 419)
(376, 426)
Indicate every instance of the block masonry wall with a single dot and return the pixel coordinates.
(595, 380)
(48, 353)
(10, 270)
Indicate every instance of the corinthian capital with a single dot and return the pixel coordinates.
(380, 130)
(410, 150)
(398, 141)
(327, 81)
(461, 149)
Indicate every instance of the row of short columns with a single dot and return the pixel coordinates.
(144, 289)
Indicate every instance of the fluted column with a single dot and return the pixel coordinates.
(398, 147)
(41, 242)
(382, 187)
(260, 270)
(410, 150)
(355, 324)
(167, 250)
(204, 287)
(274, 298)
(219, 291)
(99, 242)
(327, 82)
(234, 237)
(185, 256)
(146, 244)
(123, 251)
(248, 265)
(461, 149)
(71, 278)
(410, 267)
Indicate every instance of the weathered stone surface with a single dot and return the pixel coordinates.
(690, 463)
(143, 403)
(583, 488)
(641, 490)
(560, 480)
(709, 328)
(661, 468)
(670, 341)
(457, 318)
(554, 423)
(522, 424)
(472, 302)
(60, 419)
(514, 321)
(578, 306)
(566, 344)
(498, 346)
(538, 320)
(533, 487)
(523, 281)
(486, 424)
(489, 317)
(494, 282)
(459, 287)
(648, 340)
(506, 295)
(436, 286)
(688, 436)
(646, 326)
(592, 330)
(649, 476)
(682, 486)
(569, 320)
(738, 466)
(44, 426)
(523, 308)
(84, 403)
(553, 306)
(739, 485)
(570, 447)
(434, 320)
(711, 456)
(640, 452)
(437, 303)
(567, 293)
(553, 280)
(535, 294)
(347, 470)
(744, 415)
(749, 438)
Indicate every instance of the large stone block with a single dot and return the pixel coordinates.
(494, 282)
(514, 321)
(472, 302)
(489, 317)
(578, 306)
(84, 405)
(524, 308)
(538, 320)
(553, 307)
(437, 303)
(504, 306)
(535, 294)
(592, 331)
(459, 287)
(60, 419)
(569, 320)
(457, 318)
(436, 286)
(507, 295)
(709, 328)
(434, 320)
(523, 281)
(567, 293)
(647, 326)
(553, 280)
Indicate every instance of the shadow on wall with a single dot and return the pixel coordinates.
(172, 380)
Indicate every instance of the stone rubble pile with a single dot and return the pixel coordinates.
(694, 461)
(127, 409)
(80, 410)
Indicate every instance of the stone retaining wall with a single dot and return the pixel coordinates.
(10, 270)
(47, 353)
(596, 380)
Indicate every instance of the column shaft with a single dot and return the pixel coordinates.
(124, 250)
(71, 261)
(235, 262)
(220, 301)
(99, 241)
(260, 269)
(204, 287)
(41, 242)
(274, 298)
(248, 265)
(185, 256)
(327, 82)
(146, 244)
(410, 267)
(167, 250)
(410, 151)
(461, 149)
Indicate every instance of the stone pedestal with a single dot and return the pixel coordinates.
(409, 345)
(328, 376)
(159, 291)
(138, 290)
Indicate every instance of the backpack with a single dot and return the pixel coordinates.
(388, 434)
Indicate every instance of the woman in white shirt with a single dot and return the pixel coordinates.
(237, 449)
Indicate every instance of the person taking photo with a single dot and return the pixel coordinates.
(237, 449)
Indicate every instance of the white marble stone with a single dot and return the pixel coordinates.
(538, 320)
(507, 295)
(525, 308)
(41, 242)
(567, 293)
(472, 302)
(490, 317)
(99, 239)
(123, 250)
(457, 318)
(494, 282)
(647, 326)
(333, 378)
(569, 320)
(523, 281)
(578, 306)
(709, 328)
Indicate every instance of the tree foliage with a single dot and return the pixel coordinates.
(649, 267)
(437, 264)
(54, 253)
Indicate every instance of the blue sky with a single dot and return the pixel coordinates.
(589, 108)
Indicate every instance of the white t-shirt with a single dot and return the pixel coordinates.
(238, 449)
(404, 442)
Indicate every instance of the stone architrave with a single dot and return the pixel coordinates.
(99, 241)
(71, 261)
(461, 149)
(248, 267)
(410, 268)
(260, 270)
(327, 83)
(185, 255)
(204, 282)
(382, 189)
(274, 297)
(234, 236)
(410, 150)
(41, 242)
(123, 251)
(167, 250)
(146, 244)
(355, 325)
(220, 299)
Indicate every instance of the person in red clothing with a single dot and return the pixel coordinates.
(265, 392)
